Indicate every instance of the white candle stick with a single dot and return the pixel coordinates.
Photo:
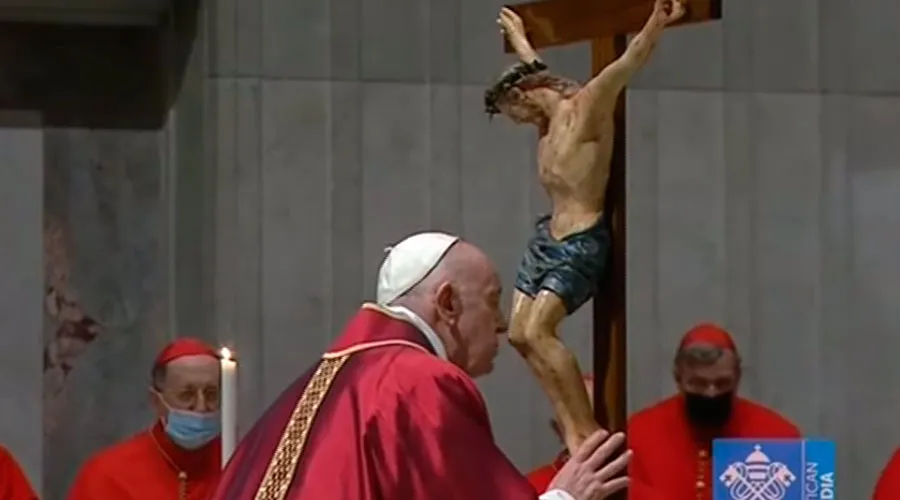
(228, 399)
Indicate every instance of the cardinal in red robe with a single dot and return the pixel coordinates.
(391, 412)
(13, 483)
(672, 441)
(179, 456)
(888, 485)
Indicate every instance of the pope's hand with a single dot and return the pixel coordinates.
(587, 475)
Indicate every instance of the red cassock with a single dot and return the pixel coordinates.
(671, 462)
(147, 467)
(13, 483)
(380, 417)
(888, 486)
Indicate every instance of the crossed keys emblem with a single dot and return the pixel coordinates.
(757, 478)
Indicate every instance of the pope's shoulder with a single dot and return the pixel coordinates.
(412, 370)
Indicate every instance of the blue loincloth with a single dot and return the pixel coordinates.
(571, 267)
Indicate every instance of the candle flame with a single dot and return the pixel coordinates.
(225, 353)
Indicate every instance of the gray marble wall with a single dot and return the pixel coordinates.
(763, 184)
(104, 306)
(20, 291)
(81, 292)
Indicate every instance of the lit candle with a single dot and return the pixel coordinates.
(228, 399)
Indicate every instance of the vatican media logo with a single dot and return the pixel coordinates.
(780, 469)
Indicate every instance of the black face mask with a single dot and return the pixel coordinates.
(709, 412)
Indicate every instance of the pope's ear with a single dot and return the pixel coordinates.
(447, 301)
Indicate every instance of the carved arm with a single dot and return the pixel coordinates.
(603, 90)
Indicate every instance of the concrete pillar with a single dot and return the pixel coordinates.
(21, 285)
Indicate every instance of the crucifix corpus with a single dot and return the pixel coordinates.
(578, 250)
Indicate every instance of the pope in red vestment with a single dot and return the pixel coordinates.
(13, 483)
(391, 412)
(179, 457)
(888, 485)
(672, 440)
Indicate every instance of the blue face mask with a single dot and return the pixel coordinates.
(192, 430)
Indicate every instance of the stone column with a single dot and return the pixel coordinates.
(233, 85)
(212, 173)
(188, 173)
(21, 291)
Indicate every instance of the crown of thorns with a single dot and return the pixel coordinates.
(508, 80)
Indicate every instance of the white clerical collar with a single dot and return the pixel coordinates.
(423, 327)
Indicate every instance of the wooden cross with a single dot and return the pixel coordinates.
(606, 23)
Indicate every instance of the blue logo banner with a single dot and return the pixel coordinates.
(775, 469)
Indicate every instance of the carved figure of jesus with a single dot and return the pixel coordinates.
(568, 254)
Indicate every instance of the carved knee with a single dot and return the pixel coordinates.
(518, 320)
(535, 327)
(518, 337)
(527, 337)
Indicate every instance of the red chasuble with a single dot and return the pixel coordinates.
(670, 458)
(380, 417)
(13, 483)
(888, 486)
(147, 467)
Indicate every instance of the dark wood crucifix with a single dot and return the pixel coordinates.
(606, 24)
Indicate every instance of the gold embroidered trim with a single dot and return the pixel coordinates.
(281, 469)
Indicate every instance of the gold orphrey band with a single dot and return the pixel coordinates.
(280, 472)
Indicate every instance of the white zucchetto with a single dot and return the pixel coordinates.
(407, 263)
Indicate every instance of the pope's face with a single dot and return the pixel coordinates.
(481, 322)
(191, 384)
